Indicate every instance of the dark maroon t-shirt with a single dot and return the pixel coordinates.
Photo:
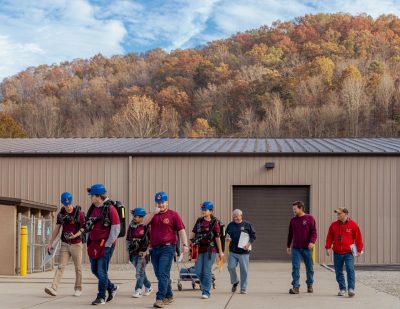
(69, 225)
(302, 231)
(205, 243)
(164, 228)
(99, 230)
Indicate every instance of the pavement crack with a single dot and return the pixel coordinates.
(227, 304)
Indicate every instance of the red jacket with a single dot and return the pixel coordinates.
(343, 235)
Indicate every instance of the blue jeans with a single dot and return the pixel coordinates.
(243, 261)
(161, 258)
(99, 268)
(338, 261)
(306, 255)
(203, 267)
(141, 277)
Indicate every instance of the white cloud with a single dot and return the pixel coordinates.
(47, 32)
(51, 31)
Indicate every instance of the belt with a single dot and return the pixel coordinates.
(163, 245)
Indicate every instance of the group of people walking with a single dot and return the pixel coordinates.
(156, 236)
(151, 236)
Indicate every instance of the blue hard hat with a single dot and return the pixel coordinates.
(97, 189)
(138, 212)
(161, 197)
(66, 198)
(207, 205)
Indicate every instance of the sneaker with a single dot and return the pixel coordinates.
(234, 287)
(310, 289)
(112, 293)
(342, 293)
(204, 296)
(168, 300)
(77, 293)
(351, 293)
(147, 291)
(158, 304)
(98, 301)
(137, 293)
(294, 291)
(51, 291)
(243, 292)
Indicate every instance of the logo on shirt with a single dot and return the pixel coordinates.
(348, 230)
(141, 232)
(305, 222)
(165, 221)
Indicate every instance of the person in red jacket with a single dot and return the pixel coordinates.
(344, 237)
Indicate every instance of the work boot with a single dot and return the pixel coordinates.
(158, 304)
(51, 291)
(168, 300)
(294, 291)
(351, 293)
(310, 289)
(98, 301)
(234, 287)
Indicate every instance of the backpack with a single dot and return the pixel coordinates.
(105, 215)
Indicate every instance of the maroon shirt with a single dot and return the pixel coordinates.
(137, 232)
(205, 243)
(164, 228)
(99, 230)
(302, 231)
(69, 225)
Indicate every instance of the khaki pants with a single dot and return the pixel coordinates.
(67, 251)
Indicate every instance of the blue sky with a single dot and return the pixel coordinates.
(34, 32)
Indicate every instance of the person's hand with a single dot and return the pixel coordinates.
(185, 249)
(311, 245)
(221, 255)
(288, 251)
(328, 252)
(246, 246)
(49, 248)
(144, 254)
(156, 210)
(72, 236)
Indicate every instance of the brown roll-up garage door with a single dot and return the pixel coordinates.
(269, 209)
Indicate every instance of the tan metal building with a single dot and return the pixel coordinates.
(361, 174)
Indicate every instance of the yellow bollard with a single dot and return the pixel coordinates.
(23, 251)
(314, 255)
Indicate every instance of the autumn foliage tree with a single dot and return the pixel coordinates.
(320, 75)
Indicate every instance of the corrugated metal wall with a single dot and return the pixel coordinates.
(43, 179)
(368, 186)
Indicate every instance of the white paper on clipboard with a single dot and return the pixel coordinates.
(244, 240)
(180, 259)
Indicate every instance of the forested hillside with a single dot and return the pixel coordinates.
(320, 75)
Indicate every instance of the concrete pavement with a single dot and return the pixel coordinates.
(268, 288)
